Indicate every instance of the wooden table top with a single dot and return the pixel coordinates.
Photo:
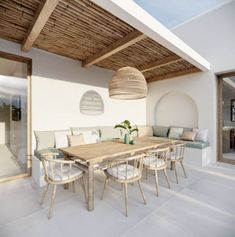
(97, 152)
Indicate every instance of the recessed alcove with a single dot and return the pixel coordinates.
(176, 109)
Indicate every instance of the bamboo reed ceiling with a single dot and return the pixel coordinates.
(79, 29)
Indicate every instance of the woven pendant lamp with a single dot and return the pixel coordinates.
(128, 83)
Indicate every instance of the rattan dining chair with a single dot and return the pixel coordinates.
(177, 156)
(156, 160)
(125, 170)
(60, 172)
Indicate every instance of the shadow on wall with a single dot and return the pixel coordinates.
(176, 109)
(55, 67)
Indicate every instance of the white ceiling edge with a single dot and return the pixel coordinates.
(201, 15)
(137, 17)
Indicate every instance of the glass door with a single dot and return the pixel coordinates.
(226, 117)
(14, 124)
(228, 132)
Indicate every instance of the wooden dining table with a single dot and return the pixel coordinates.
(91, 156)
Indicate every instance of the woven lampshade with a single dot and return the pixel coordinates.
(128, 83)
(91, 103)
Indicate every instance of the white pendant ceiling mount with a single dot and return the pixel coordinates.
(128, 83)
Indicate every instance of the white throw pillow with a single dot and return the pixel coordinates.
(75, 140)
(61, 139)
(201, 134)
(175, 133)
(90, 136)
(145, 131)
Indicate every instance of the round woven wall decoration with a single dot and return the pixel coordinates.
(128, 83)
(91, 103)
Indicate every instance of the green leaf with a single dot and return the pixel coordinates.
(127, 122)
(120, 126)
(134, 130)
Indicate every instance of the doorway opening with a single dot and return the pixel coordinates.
(226, 115)
(15, 123)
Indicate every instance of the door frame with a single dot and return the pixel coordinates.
(28, 61)
(220, 116)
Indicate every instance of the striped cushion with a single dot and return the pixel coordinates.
(152, 161)
(123, 171)
(67, 173)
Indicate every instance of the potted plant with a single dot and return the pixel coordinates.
(126, 125)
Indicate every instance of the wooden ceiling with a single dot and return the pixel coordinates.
(81, 30)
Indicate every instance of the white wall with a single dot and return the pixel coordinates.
(201, 87)
(176, 109)
(2, 133)
(57, 86)
(213, 36)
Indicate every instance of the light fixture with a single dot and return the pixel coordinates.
(128, 83)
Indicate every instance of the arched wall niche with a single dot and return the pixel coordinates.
(91, 103)
(176, 109)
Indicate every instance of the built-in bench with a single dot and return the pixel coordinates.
(51, 141)
(196, 152)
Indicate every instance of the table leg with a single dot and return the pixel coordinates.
(90, 187)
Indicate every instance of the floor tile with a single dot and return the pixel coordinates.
(201, 205)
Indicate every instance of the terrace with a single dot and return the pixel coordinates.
(195, 207)
(70, 70)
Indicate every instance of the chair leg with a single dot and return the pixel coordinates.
(167, 178)
(73, 183)
(105, 185)
(176, 176)
(83, 188)
(126, 205)
(142, 193)
(44, 193)
(181, 162)
(146, 172)
(156, 181)
(52, 201)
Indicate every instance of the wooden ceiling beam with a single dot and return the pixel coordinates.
(41, 17)
(173, 74)
(160, 63)
(130, 39)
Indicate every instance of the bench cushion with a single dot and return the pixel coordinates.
(109, 133)
(61, 139)
(44, 139)
(145, 131)
(90, 134)
(175, 132)
(197, 144)
(39, 153)
(79, 130)
(160, 131)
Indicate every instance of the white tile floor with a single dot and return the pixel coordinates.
(202, 205)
